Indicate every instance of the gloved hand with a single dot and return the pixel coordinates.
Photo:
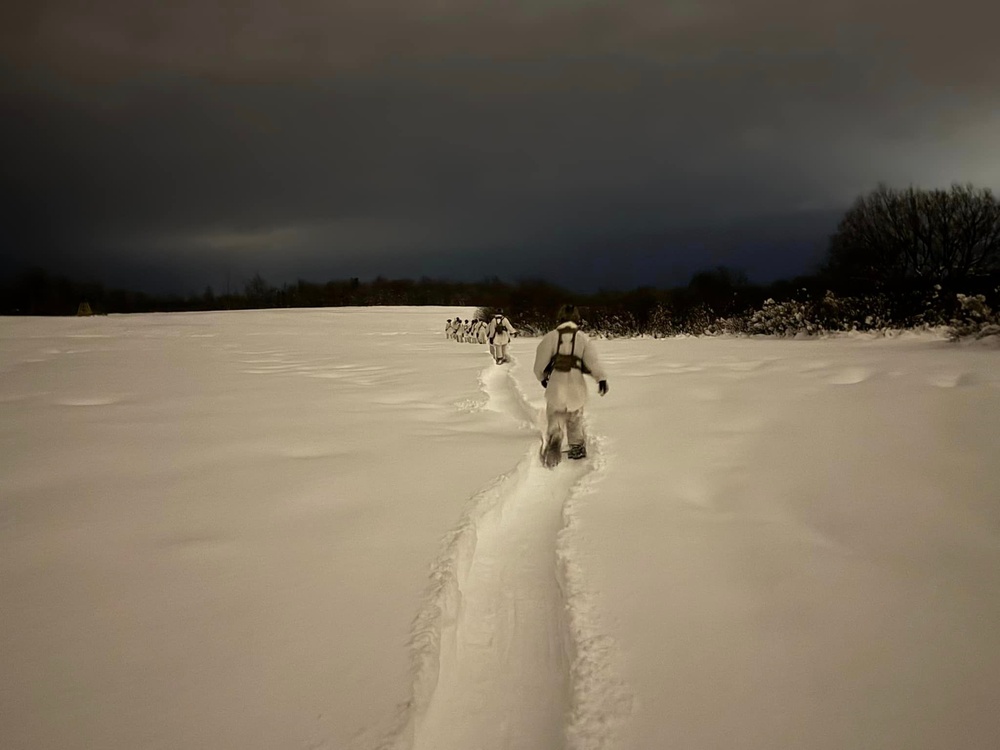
(602, 387)
(545, 382)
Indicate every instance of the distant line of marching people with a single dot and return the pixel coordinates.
(497, 332)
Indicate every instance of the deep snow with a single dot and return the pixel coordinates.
(329, 529)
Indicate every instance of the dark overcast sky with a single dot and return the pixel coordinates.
(594, 143)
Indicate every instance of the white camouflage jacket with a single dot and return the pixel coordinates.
(503, 337)
(567, 390)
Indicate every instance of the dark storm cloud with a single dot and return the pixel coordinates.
(322, 139)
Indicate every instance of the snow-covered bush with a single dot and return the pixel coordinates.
(974, 318)
(829, 314)
(786, 318)
(618, 324)
(802, 311)
(868, 313)
(698, 321)
(935, 312)
(663, 323)
(734, 325)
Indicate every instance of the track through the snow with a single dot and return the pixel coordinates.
(494, 634)
(504, 669)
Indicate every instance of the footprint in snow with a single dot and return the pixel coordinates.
(850, 376)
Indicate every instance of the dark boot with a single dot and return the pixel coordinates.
(578, 451)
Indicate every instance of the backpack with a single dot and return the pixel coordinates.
(566, 362)
(500, 327)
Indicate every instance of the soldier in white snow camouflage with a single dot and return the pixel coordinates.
(499, 334)
(563, 357)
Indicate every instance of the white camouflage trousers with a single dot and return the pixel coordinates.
(560, 420)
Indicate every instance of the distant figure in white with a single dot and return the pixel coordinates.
(456, 329)
(563, 357)
(448, 330)
(481, 331)
(499, 334)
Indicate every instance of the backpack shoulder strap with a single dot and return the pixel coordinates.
(562, 332)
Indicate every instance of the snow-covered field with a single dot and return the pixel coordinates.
(330, 529)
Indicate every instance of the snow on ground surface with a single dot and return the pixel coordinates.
(330, 529)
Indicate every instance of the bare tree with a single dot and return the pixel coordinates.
(258, 292)
(939, 235)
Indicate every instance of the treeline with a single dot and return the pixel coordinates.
(898, 259)
(37, 292)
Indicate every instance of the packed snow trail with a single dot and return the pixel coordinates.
(502, 677)
(504, 671)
